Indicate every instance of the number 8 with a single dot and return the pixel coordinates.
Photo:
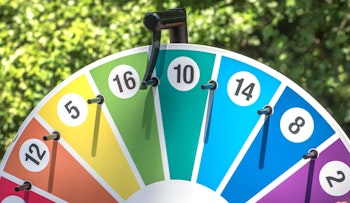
(299, 122)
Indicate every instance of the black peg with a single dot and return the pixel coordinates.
(312, 154)
(53, 136)
(99, 99)
(25, 186)
(153, 82)
(211, 85)
(266, 111)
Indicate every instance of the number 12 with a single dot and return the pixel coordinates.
(40, 155)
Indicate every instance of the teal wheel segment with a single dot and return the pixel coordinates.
(289, 138)
(233, 118)
(182, 102)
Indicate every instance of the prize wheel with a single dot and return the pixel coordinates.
(218, 127)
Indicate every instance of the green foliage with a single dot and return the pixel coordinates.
(43, 42)
(308, 41)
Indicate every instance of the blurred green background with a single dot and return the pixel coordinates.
(42, 42)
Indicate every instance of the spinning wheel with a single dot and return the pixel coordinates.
(214, 126)
(219, 127)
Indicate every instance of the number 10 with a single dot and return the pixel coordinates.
(187, 71)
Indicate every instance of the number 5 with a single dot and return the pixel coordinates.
(71, 109)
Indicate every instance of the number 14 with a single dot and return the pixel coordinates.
(247, 91)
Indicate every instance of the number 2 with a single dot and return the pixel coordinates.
(339, 180)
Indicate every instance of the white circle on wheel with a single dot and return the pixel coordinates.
(72, 109)
(34, 155)
(297, 125)
(13, 199)
(243, 88)
(124, 81)
(183, 73)
(334, 178)
(175, 191)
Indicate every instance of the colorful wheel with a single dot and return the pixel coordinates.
(219, 127)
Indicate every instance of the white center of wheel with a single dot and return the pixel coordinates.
(176, 191)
